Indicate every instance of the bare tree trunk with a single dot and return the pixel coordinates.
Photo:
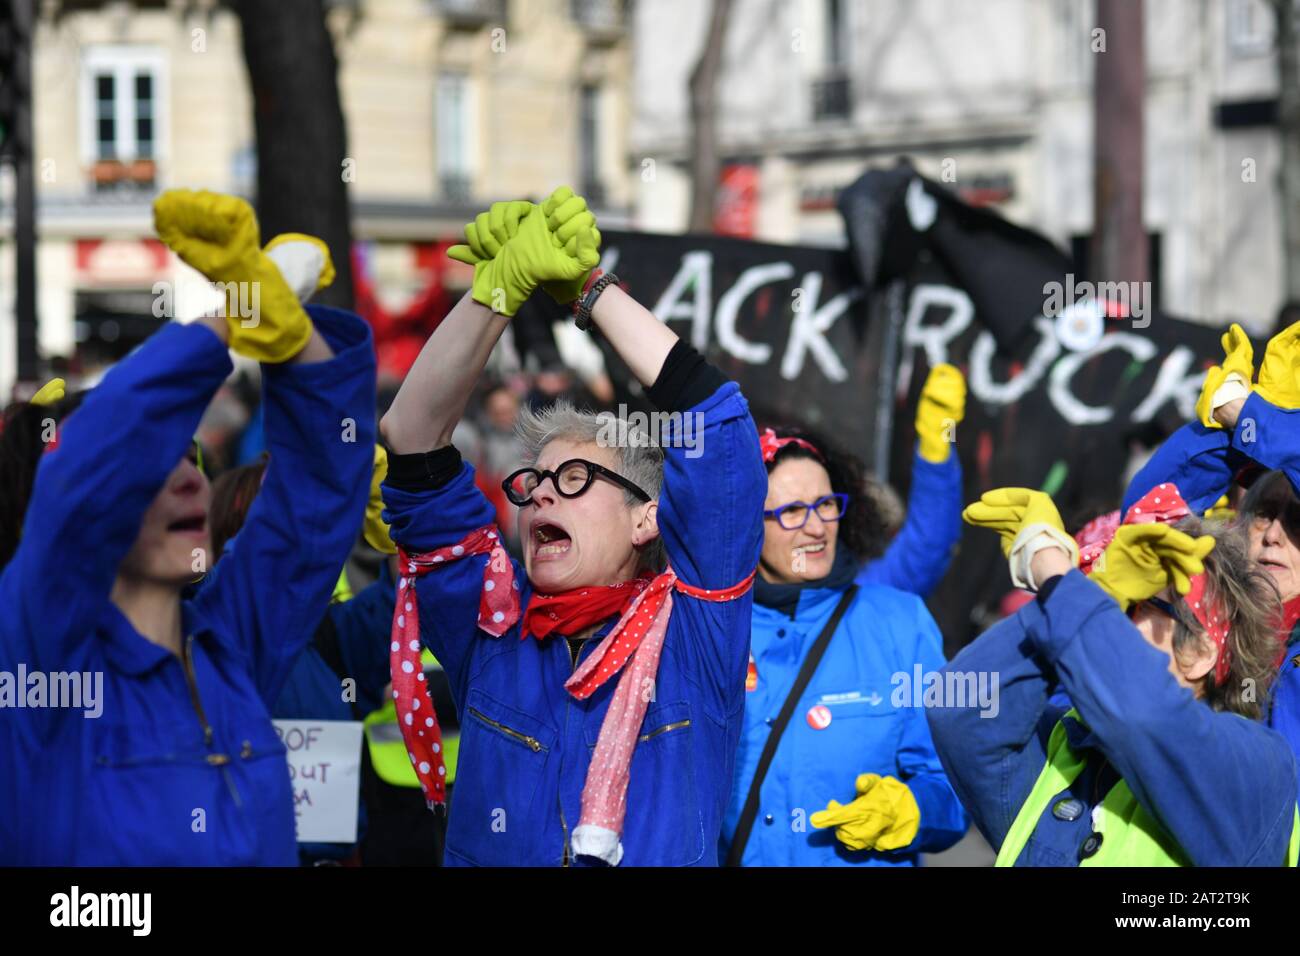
(1288, 121)
(705, 162)
(302, 163)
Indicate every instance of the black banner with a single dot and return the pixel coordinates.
(1061, 379)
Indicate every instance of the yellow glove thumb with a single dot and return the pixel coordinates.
(51, 392)
(375, 528)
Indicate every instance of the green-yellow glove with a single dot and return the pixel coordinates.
(1144, 559)
(1235, 373)
(375, 528)
(218, 236)
(51, 392)
(555, 249)
(885, 815)
(562, 210)
(489, 231)
(1027, 522)
(1277, 372)
(940, 411)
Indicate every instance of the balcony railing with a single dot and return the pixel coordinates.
(831, 97)
(115, 175)
(471, 13)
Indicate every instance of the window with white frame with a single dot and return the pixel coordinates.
(121, 104)
(1251, 27)
(456, 135)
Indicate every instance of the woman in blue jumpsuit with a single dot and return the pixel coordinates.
(181, 765)
(850, 731)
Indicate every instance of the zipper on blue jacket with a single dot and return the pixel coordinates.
(215, 759)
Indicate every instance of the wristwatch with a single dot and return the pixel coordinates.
(582, 311)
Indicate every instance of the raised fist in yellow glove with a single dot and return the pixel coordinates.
(940, 410)
(517, 246)
(1027, 522)
(885, 815)
(375, 528)
(50, 393)
(1229, 381)
(218, 236)
(1144, 559)
(1277, 382)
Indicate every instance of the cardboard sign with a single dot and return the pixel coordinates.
(325, 774)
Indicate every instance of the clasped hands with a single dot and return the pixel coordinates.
(517, 246)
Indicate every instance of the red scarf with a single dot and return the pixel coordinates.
(572, 612)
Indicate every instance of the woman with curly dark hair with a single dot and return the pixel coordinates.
(827, 648)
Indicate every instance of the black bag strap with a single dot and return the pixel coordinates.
(810, 663)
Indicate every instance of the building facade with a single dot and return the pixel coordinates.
(994, 98)
(449, 104)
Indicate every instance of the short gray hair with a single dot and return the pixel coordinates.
(640, 460)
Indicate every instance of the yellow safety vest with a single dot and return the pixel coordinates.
(1132, 837)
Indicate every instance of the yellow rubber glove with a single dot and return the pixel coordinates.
(1238, 365)
(218, 236)
(51, 392)
(555, 249)
(885, 816)
(1144, 559)
(1281, 364)
(1221, 510)
(1027, 522)
(375, 528)
(304, 262)
(940, 410)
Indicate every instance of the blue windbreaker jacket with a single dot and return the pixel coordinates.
(170, 775)
(873, 729)
(919, 556)
(1223, 786)
(515, 804)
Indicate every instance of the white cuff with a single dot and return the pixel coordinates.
(301, 263)
(1032, 539)
(591, 840)
(1233, 388)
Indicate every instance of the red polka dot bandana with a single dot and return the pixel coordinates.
(769, 444)
(497, 613)
(1165, 505)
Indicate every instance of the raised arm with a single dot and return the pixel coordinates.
(91, 492)
(993, 761)
(1223, 786)
(273, 588)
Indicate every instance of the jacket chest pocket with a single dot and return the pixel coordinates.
(499, 814)
(663, 825)
(838, 736)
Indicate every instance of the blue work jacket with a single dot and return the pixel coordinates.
(525, 742)
(1224, 787)
(183, 766)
